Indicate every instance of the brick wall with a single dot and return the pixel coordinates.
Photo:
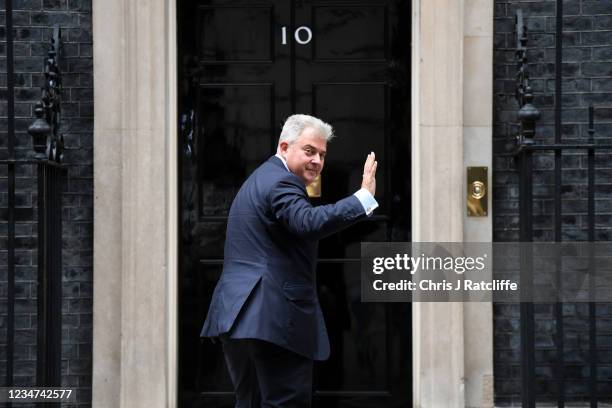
(587, 79)
(33, 21)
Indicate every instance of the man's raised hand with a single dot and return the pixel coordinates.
(369, 173)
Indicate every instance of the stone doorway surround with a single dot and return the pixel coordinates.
(135, 198)
(452, 116)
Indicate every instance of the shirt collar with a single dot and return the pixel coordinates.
(283, 160)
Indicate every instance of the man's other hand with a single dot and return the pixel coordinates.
(369, 174)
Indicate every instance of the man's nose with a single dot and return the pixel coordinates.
(317, 158)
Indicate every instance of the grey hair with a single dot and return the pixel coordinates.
(295, 125)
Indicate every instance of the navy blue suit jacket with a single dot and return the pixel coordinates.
(267, 290)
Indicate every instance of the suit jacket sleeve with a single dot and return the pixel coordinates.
(291, 207)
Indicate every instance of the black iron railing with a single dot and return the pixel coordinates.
(526, 148)
(50, 173)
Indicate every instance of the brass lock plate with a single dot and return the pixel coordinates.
(314, 190)
(477, 191)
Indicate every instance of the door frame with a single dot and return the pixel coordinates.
(135, 165)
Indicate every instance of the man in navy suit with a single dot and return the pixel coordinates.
(265, 308)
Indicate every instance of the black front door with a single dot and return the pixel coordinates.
(244, 66)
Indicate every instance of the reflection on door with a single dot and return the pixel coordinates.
(244, 67)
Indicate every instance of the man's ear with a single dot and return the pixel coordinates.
(283, 146)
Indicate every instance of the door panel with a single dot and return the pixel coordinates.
(341, 35)
(361, 127)
(223, 42)
(240, 78)
(234, 133)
